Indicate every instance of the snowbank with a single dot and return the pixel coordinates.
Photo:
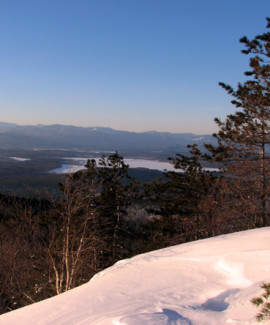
(205, 282)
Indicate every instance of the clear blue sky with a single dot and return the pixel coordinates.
(135, 65)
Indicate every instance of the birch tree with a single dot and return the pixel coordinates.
(76, 240)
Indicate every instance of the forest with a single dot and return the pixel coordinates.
(101, 214)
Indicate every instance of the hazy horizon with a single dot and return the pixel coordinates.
(100, 126)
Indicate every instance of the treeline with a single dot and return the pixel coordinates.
(102, 215)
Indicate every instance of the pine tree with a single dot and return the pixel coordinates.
(176, 200)
(90, 231)
(115, 196)
(244, 137)
(263, 302)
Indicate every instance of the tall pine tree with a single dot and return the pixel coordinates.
(244, 137)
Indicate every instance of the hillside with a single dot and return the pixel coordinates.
(205, 282)
(57, 136)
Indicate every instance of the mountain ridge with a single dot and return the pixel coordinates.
(69, 136)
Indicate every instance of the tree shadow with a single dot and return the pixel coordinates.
(175, 318)
(218, 303)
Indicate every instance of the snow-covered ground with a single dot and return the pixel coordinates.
(205, 282)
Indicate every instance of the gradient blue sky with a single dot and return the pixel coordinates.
(134, 65)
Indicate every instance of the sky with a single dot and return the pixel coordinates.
(135, 65)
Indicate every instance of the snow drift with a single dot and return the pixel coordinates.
(207, 282)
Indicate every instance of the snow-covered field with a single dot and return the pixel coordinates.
(205, 282)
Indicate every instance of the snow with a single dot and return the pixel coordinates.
(66, 169)
(207, 282)
(20, 159)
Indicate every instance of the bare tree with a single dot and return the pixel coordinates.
(76, 240)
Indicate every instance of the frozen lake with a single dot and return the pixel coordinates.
(76, 164)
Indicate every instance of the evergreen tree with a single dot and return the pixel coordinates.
(263, 302)
(115, 197)
(90, 232)
(244, 137)
(176, 200)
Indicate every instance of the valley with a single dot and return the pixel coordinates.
(37, 173)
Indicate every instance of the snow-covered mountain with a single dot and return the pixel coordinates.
(206, 282)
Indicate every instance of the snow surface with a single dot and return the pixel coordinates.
(20, 159)
(206, 282)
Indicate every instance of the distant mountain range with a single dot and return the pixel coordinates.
(13, 136)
